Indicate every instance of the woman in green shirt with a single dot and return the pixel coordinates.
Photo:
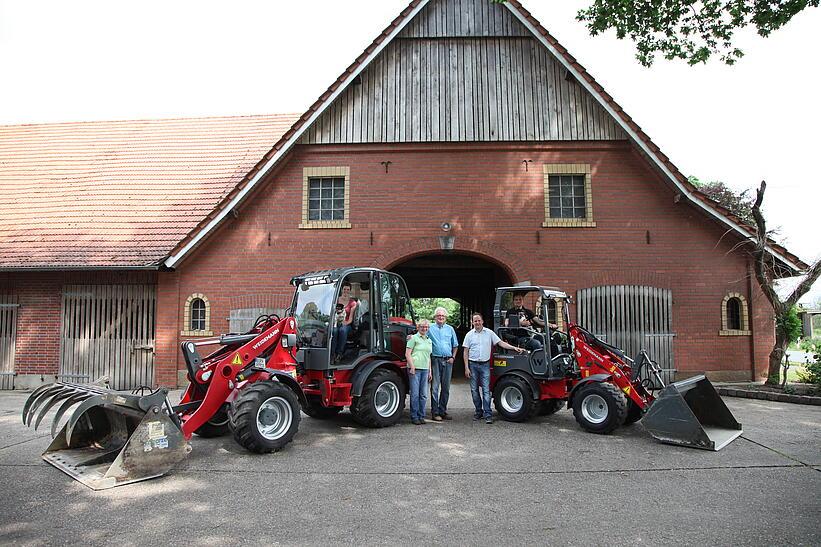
(418, 352)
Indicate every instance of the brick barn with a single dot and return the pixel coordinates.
(464, 148)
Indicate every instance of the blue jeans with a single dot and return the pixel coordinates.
(441, 370)
(341, 333)
(480, 376)
(418, 393)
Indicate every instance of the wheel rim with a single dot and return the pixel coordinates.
(594, 408)
(386, 399)
(512, 399)
(274, 418)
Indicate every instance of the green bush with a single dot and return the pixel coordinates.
(812, 370)
(810, 345)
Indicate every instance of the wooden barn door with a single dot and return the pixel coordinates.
(8, 339)
(632, 318)
(108, 330)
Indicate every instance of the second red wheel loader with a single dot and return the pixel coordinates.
(253, 385)
(604, 387)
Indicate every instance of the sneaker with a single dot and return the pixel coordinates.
(477, 416)
(488, 420)
(437, 418)
(422, 421)
(446, 416)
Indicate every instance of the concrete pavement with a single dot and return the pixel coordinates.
(459, 482)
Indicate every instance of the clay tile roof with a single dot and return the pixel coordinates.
(119, 194)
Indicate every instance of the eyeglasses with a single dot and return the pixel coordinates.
(424, 328)
(440, 315)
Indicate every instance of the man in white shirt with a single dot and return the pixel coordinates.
(478, 344)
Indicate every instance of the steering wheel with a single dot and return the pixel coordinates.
(559, 338)
(312, 324)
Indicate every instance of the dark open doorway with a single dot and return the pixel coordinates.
(468, 279)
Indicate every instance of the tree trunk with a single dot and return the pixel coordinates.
(776, 360)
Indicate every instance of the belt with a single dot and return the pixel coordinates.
(479, 362)
(443, 356)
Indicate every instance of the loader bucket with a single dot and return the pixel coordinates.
(110, 438)
(691, 413)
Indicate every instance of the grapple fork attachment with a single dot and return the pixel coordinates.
(111, 438)
(691, 413)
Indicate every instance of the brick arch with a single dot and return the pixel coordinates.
(497, 254)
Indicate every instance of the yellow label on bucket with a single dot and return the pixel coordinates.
(237, 360)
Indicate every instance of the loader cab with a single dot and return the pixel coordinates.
(381, 316)
(548, 354)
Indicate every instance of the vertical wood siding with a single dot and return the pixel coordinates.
(463, 70)
(8, 339)
(632, 318)
(108, 330)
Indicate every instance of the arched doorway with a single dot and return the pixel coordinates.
(468, 279)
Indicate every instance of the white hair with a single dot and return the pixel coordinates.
(440, 309)
(422, 322)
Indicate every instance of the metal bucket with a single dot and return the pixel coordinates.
(691, 413)
(111, 438)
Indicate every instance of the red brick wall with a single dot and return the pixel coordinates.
(39, 295)
(496, 208)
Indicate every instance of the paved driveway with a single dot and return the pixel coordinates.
(459, 482)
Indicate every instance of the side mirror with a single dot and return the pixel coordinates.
(289, 341)
(303, 287)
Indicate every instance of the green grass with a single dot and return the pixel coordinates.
(792, 373)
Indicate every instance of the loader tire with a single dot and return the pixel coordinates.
(264, 417)
(513, 399)
(634, 413)
(551, 406)
(217, 426)
(314, 409)
(382, 401)
(600, 407)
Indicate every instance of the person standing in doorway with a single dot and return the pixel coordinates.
(445, 345)
(417, 354)
(478, 344)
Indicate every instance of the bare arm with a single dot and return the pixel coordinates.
(505, 345)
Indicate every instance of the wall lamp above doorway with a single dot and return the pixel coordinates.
(446, 226)
(446, 242)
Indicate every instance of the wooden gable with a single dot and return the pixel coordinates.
(463, 70)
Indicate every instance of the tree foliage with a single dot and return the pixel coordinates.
(424, 308)
(738, 203)
(692, 30)
(788, 325)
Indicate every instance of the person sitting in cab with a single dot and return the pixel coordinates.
(527, 320)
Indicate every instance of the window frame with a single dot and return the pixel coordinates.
(187, 330)
(309, 173)
(569, 169)
(744, 316)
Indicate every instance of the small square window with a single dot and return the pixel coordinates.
(326, 198)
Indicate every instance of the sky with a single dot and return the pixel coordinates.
(102, 60)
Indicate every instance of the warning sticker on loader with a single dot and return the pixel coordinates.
(626, 390)
(156, 430)
(499, 363)
(237, 360)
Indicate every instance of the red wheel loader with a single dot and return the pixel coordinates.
(604, 387)
(253, 385)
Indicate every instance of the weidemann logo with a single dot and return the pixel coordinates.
(258, 344)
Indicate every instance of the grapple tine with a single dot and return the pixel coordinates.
(36, 393)
(55, 389)
(65, 406)
(48, 406)
(80, 411)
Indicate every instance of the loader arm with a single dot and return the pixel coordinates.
(223, 372)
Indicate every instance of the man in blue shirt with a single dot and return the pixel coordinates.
(445, 345)
(478, 344)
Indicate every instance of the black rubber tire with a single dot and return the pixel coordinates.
(314, 409)
(551, 406)
(364, 407)
(634, 413)
(217, 426)
(529, 405)
(243, 416)
(615, 403)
